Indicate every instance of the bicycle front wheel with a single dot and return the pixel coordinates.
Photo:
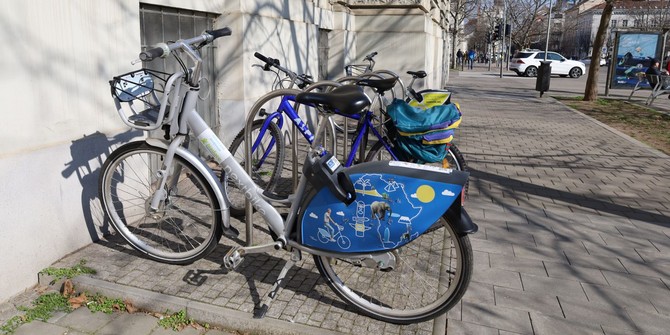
(267, 160)
(187, 223)
(430, 276)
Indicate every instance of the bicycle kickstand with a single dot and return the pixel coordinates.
(295, 257)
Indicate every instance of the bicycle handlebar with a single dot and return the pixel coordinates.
(370, 56)
(271, 62)
(164, 49)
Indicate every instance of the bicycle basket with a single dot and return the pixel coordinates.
(422, 134)
(355, 69)
(143, 85)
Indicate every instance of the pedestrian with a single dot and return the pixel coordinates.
(459, 57)
(654, 74)
(471, 58)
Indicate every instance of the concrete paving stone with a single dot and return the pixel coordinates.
(576, 273)
(595, 262)
(652, 285)
(618, 297)
(527, 301)
(129, 324)
(539, 253)
(479, 292)
(518, 264)
(598, 249)
(648, 269)
(456, 312)
(455, 327)
(618, 331)
(552, 286)
(186, 331)
(596, 313)
(42, 328)
(626, 242)
(650, 322)
(86, 321)
(497, 317)
(497, 277)
(530, 229)
(494, 247)
(550, 325)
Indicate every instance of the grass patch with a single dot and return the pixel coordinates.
(68, 273)
(43, 309)
(642, 123)
(176, 321)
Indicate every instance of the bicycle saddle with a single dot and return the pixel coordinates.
(346, 99)
(418, 74)
(380, 85)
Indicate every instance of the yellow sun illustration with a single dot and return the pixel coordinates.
(425, 193)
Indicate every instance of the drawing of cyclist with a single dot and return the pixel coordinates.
(327, 221)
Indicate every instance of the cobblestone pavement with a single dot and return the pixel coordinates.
(573, 236)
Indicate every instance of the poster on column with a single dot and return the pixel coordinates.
(633, 54)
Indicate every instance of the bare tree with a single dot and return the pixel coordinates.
(460, 11)
(591, 90)
(527, 18)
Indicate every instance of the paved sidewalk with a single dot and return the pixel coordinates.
(574, 223)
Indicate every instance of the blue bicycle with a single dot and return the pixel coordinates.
(269, 143)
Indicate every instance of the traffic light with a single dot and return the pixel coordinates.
(508, 29)
(496, 32)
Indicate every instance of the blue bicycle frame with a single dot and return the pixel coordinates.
(285, 107)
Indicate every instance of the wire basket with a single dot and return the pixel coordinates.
(145, 88)
(356, 69)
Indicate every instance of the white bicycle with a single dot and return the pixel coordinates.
(168, 204)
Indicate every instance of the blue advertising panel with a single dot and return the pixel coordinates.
(634, 53)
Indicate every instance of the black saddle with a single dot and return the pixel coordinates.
(380, 85)
(417, 74)
(346, 99)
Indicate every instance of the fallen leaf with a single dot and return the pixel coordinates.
(68, 288)
(129, 307)
(76, 302)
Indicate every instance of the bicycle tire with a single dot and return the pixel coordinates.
(187, 225)
(265, 176)
(415, 289)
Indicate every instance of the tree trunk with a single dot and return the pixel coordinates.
(591, 90)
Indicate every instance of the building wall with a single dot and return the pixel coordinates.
(60, 119)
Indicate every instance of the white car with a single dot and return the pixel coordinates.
(587, 61)
(526, 63)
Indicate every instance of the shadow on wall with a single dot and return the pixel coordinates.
(88, 154)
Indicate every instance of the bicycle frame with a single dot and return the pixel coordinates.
(286, 108)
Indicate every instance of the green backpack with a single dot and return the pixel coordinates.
(423, 134)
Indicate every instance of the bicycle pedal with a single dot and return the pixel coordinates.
(233, 258)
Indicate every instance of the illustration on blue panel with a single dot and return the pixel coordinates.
(389, 211)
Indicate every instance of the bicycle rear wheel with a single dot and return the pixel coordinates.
(187, 224)
(268, 160)
(430, 276)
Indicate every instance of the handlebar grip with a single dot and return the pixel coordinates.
(261, 57)
(158, 51)
(370, 56)
(225, 31)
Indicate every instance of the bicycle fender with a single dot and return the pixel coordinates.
(395, 203)
(206, 171)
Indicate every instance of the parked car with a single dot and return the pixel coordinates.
(526, 63)
(587, 61)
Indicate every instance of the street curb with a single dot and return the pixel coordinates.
(652, 150)
(199, 311)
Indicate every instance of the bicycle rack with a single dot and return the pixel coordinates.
(294, 148)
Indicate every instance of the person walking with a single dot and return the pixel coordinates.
(459, 57)
(471, 58)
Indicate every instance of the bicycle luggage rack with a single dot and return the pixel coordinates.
(140, 86)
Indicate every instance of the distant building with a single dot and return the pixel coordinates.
(583, 20)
